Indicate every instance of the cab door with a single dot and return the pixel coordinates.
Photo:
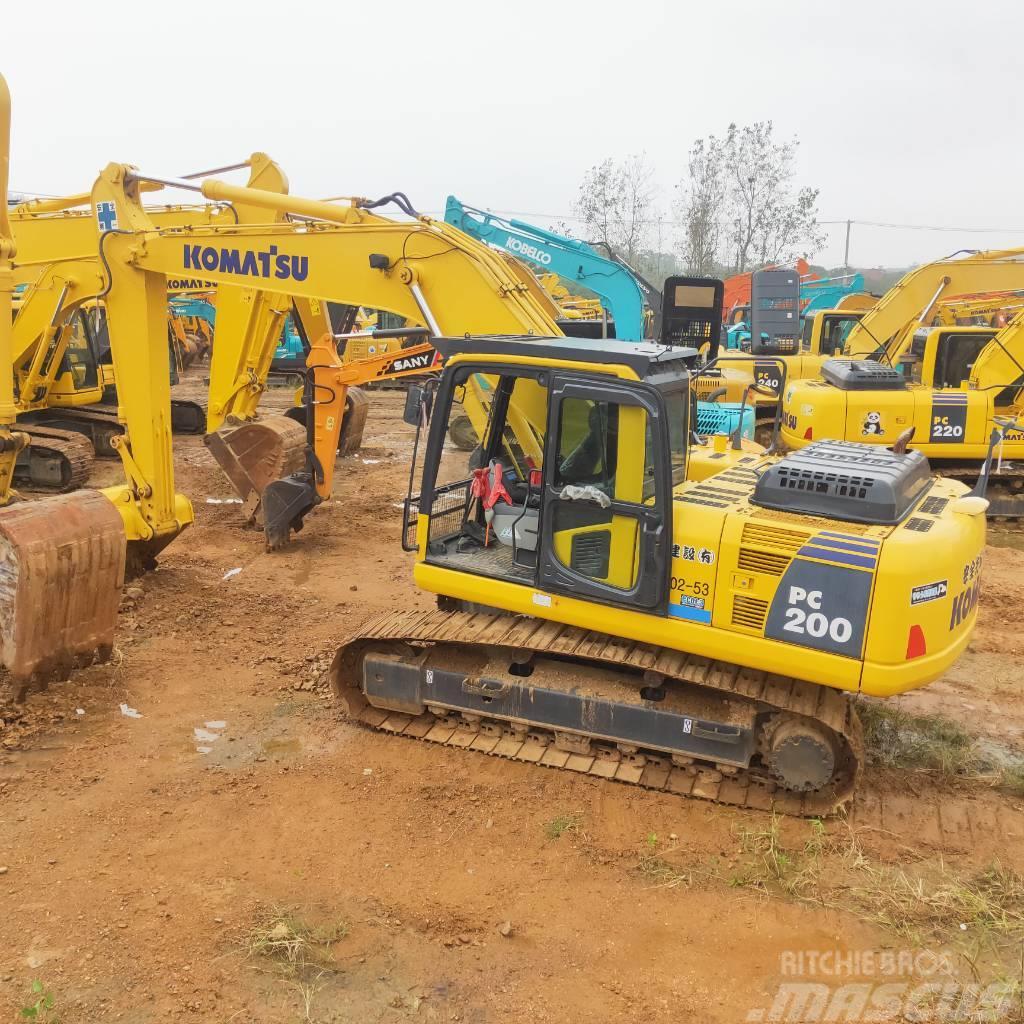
(606, 519)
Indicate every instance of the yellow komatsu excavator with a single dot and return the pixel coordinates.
(599, 612)
(950, 391)
(979, 310)
(952, 388)
(881, 330)
(915, 300)
(62, 356)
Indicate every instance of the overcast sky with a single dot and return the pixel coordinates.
(906, 111)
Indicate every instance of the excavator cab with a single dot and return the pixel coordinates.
(570, 504)
(824, 333)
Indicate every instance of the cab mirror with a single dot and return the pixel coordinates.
(417, 405)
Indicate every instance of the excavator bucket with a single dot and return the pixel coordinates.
(62, 565)
(285, 504)
(255, 454)
(357, 405)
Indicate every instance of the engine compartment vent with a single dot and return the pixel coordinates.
(772, 536)
(844, 480)
(749, 612)
(862, 375)
(768, 562)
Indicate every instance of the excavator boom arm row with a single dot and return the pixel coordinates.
(909, 303)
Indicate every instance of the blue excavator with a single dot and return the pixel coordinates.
(623, 293)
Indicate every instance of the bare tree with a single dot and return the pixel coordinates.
(699, 208)
(765, 221)
(614, 203)
(738, 206)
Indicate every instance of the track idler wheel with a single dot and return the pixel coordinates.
(62, 562)
(256, 454)
(801, 752)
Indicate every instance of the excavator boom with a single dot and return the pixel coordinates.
(887, 328)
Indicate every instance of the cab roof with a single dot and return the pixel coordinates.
(645, 358)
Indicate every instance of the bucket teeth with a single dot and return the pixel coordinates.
(255, 454)
(62, 563)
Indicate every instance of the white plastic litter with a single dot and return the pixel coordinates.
(205, 735)
(216, 725)
(129, 712)
(79, 711)
(371, 462)
(223, 501)
(587, 493)
(203, 750)
(231, 572)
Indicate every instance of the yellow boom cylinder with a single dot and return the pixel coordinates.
(281, 203)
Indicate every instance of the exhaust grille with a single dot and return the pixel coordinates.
(749, 612)
(769, 562)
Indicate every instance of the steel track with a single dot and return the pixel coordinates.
(753, 787)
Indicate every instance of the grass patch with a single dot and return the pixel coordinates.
(930, 743)
(296, 952)
(988, 905)
(938, 745)
(563, 823)
(663, 875)
(980, 913)
(1011, 780)
(290, 944)
(40, 1005)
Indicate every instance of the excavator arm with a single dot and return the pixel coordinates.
(571, 259)
(422, 270)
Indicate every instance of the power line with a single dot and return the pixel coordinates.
(926, 227)
(663, 220)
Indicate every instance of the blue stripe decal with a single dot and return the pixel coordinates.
(844, 545)
(680, 611)
(847, 537)
(861, 561)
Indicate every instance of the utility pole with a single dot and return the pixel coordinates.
(846, 254)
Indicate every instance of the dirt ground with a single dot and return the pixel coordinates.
(141, 856)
